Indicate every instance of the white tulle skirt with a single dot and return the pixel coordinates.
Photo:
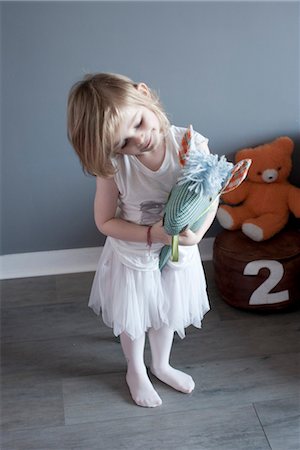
(133, 295)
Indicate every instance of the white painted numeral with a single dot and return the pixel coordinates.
(261, 295)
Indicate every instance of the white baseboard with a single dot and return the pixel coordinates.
(23, 265)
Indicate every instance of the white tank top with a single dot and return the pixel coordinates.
(144, 192)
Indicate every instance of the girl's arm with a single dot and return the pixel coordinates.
(105, 206)
(189, 237)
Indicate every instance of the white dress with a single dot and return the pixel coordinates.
(128, 288)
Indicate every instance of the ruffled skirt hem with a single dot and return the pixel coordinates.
(133, 300)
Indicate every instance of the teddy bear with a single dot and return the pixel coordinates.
(260, 206)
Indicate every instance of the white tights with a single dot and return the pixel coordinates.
(141, 389)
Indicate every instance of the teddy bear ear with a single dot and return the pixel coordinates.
(243, 154)
(286, 144)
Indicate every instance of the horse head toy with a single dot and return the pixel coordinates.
(203, 178)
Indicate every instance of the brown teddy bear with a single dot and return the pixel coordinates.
(265, 199)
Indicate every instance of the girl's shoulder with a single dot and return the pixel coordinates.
(177, 133)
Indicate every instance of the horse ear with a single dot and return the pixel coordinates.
(238, 174)
(185, 145)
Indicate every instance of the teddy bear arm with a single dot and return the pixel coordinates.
(294, 200)
(236, 196)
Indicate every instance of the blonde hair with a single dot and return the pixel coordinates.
(95, 113)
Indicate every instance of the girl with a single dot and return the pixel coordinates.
(123, 137)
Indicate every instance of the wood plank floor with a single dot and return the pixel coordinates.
(63, 384)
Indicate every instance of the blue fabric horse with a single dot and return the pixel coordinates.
(203, 178)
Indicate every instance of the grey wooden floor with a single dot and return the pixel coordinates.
(63, 374)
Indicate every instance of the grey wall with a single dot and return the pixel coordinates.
(229, 68)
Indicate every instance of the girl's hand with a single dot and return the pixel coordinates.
(188, 237)
(158, 234)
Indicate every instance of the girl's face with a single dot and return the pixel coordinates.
(139, 132)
